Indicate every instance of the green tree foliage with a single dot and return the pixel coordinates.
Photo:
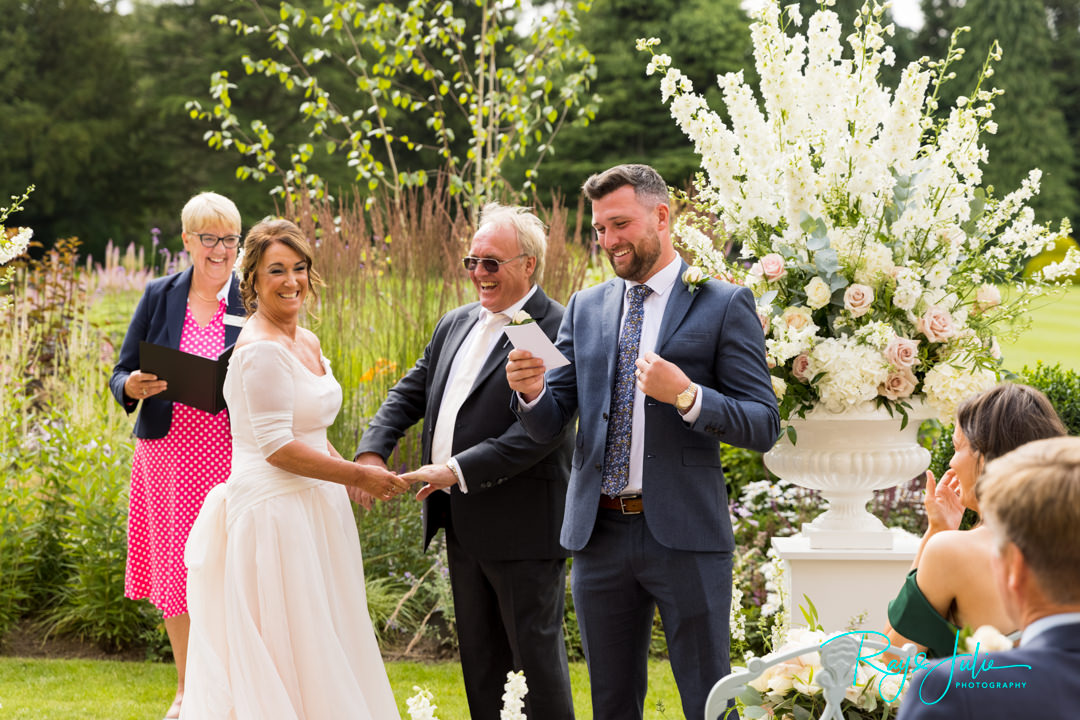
(174, 48)
(1032, 128)
(510, 92)
(66, 118)
(705, 37)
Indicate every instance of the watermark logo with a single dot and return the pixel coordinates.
(965, 669)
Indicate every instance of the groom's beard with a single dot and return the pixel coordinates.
(643, 257)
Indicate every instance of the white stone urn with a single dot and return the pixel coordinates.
(846, 457)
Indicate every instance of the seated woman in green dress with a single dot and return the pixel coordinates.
(950, 585)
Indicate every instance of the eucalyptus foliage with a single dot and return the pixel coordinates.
(465, 70)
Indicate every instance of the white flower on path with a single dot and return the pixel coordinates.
(419, 705)
(514, 697)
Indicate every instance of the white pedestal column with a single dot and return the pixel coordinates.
(844, 583)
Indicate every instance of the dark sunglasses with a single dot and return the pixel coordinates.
(490, 265)
(209, 241)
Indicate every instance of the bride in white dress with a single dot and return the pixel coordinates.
(279, 621)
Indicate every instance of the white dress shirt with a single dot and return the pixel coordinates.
(661, 284)
(509, 313)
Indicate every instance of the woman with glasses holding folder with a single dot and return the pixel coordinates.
(181, 452)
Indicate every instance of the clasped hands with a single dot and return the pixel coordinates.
(656, 377)
(434, 477)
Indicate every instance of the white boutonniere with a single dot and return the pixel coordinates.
(521, 318)
(694, 277)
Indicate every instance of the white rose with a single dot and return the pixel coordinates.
(818, 293)
(988, 639)
(521, 317)
(693, 275)
(779, 386)
(796, 317)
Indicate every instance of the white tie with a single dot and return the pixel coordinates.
(473, 354)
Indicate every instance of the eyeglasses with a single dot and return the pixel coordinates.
(490, 265)
(209, 241)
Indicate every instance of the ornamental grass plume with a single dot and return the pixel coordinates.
(859, 214)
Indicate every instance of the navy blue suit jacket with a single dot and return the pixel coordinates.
(159, 318)
(517, 487)
(715, 336)
(1049, 688)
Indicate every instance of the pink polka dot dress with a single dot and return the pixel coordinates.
(170, 477)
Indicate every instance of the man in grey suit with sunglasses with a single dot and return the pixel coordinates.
(662, 372)
(498, 493)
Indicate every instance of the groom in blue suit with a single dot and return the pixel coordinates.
(1030, 499)
(661, 373)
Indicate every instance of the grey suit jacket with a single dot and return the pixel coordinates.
(517, 486)
(715, 336)
(1040, 679)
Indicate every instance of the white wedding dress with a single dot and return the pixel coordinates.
(279, 620)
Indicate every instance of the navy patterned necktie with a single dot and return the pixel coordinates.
(617, 452)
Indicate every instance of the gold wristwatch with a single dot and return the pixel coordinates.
(685, 400)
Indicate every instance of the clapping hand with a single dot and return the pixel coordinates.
(434, 477)
(943, 507)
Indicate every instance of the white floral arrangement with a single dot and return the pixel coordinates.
(421, 706)
(794, 683)
(873, 252)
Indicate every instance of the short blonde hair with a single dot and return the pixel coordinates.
(1031, 496)
(209, 208)
(530, 231)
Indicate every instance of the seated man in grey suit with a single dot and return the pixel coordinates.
(1031, 502)
(661, 374)
(504, 492)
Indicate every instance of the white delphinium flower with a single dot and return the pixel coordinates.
(420, 706)
(14, 246)
(1068, 265)
(908, 289)
(513, 698)
(737, 619)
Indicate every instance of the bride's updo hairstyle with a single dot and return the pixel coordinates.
(262, 236)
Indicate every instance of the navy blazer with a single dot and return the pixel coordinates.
(715, 336)
(517, 487)
(159, 318)
(1043, 681)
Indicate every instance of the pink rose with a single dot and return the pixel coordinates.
(902, 352)
(937, 324)
(858, 299)
(899, 384)
(799, 368)
(772, 267)
(988, 296)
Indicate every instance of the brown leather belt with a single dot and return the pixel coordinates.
(626, 504)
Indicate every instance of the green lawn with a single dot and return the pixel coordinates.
(92, 690)
(1054, 336)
